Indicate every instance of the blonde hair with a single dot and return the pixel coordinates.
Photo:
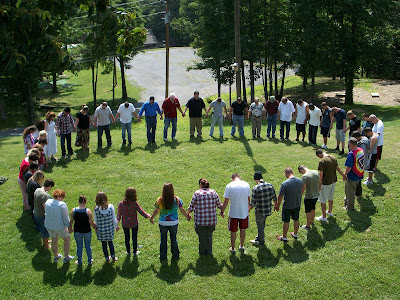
(43, 133)
(38, 177)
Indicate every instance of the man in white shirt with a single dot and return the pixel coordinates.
(217, 116)
(124, 113)
(257, 112)
(301, 118)
(238, 192)
(102, 117)
(285, 112)
(315, 117)
(378, 128)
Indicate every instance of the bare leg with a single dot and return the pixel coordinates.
(242, 237)
(233, 239)
(298, 134)
(296, 225)
(304, 135)
(330, 205)
(325, 140)
(67, 244)
(46, 243)
(285, 229)
(343, 145)
(323, 208)
(370, 176)
(337, 143)
(310, 218)
(54, 247)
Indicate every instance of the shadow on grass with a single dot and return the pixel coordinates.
(361, 220)
(82, 155)
(55, 276)
(249, 151)
(130, 268)
(330, 231)
(170, 273)
(207, 265)
(81, 277)
(103, 151)
(28, 232)
(241, 265)
(106, 275)
(265, 258)
(295, 253)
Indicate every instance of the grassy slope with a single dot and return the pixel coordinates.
(354, 256)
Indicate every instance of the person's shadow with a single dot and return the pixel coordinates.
(265, 258)
(295, 254)
(130, 268)
(55, 276)
(361, 220)
(106, 275)
(81, 277)
(315, 240)
(241, 265)
(207, 265)
(28, 232)
(82, 155)
(170, 273)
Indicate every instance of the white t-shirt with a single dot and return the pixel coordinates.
(125, 114)
(379, 128)
(103, 115)
(238, 192)
(301, 112)
(286, 111)
(315, 116)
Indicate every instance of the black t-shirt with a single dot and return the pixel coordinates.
(354, 123)
(83, 120)
(195, 107)
(238, 109)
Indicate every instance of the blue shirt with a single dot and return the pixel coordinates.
(350, 163)
(150, 110)
(340, 116)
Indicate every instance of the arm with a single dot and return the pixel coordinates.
(153, 215)
(142, 212)
(331, 116)
(226, 112)
(303, 189)
(46, 124)
(90, 215)
(307, 114)
(115, 222)
(112, 117)
(278, 203)
(76, 123)
(341, 172)
(205, 110)
(208, 110)
(64, 216)
(224, 205)
(159, 111)
(117, 115)
(344, 124)
(230, 113)
(95, 121)
(246, 113)
(136, 116)
(321, 175)
(183, 211)
(71, 217)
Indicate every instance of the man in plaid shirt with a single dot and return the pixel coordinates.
(262, 195)
(204, 203)
(64, 124)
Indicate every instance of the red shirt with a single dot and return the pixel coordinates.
(272, 107)
(24, 165)
(128, 212)
(170, 107)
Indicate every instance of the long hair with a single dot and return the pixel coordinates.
(168, 196)
(28, 130)
(130, 195)
(50, 115)
(38, 177)
(101, 199)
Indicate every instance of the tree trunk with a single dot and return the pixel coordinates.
(251, 31)
(93, 85)
(230, 94)
(283, 81)
(305, 79)
(276, 78)
(312, 86)
(244, 92)
(55, 90)
(219, 81)
(29, 102)
(3, 116)
(123, 83)
(349, 81)
(265, 78)
(271, 88)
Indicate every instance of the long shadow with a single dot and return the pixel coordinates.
(82, 155)
(103, 151)
(81, 277)
(170, 273)
(265, 258)
(249, 151)
(295, 254)
(331, 230)
(207, 265)
(241, 266)
(196, 140)
(55, 276)
(315, 241)
(130, 268)
(361, 220)
(106, 275)
(28, 232)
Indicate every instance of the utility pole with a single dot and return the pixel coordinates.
(166, 48)
(238, 55)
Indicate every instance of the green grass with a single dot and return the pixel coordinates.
(355, 256)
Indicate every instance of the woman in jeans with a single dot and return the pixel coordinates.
(167, 205)
(81, 219)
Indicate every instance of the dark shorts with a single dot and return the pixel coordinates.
(372, 163)
(233, 224)
(309, 204)
(301, 127)
(325, 131)
(290, 213)
(42, 230)
(379, 152)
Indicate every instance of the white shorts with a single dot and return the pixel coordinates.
(340, 135)
(327, 192)
(59, 233)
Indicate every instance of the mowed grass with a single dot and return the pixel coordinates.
(355, 256)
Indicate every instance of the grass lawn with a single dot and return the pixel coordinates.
(355, 256)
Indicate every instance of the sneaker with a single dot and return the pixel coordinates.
(305, 227)
(267, 136)
(114, 259)
(337, 148)
(255, 242)
(241, 248)
(293, 235)
(136, 253)
(367, 182)
(232, 250)
(77, 263)
(56, 258)
(322, 219)
(210, 136)
(165, 140)
(174, 138)
(282, 239)
(329, 213)
(341, 152)
(67, 259)
(90, 262)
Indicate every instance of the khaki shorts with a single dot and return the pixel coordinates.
(327, 193)
(59, 233)
(340, 135)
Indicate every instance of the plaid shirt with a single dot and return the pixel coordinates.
(262, 196)
(203, 204)
(128, 212)
(64, 123)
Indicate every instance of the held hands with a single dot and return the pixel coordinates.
(344, 177)
(151, 220)
(222, 214)
(189, 217)
(183, 114)
(139, 119)
(161, 117)
(117, 228)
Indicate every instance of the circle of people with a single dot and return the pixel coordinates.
(52, 219)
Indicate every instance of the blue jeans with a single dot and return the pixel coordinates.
(173, 230)
(79, 239)
(126, 127)
(271, 119)
(151, 123)
(240, 121)
(283, 124)
(106, 129)
(166, 125)
(63, 137)
(220, 121)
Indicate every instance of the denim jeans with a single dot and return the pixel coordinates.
(239, 120)
(79, 239)
(205, 234)
(166, 125)
(134, 238)
(105, 250)
(151, 123)
(173, 230)
(260, 221)
(271, 120)
(63, 137)
(312, 134)
(220, 121)
(283, 124)
(100, 130)
(126, 127)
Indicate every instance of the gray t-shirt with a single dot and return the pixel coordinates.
(291, 190)
(218, 107)
(103, 115)
(40, 198)
(311, 180)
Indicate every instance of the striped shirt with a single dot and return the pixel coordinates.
(261, 198)
(204, 203)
